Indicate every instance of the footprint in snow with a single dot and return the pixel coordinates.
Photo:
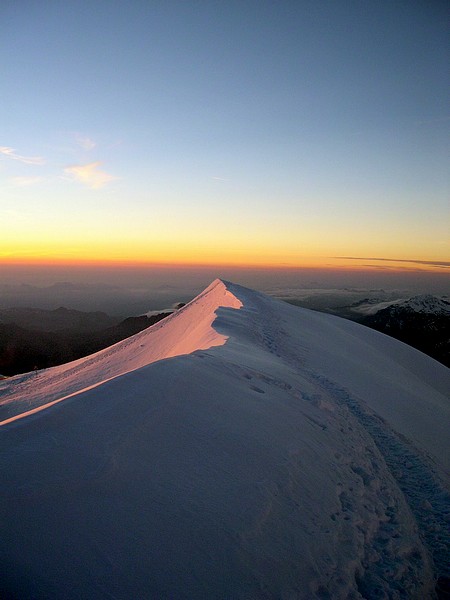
(257, 389)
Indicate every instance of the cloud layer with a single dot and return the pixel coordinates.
(432, 263)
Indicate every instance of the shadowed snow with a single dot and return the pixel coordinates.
(241, 448)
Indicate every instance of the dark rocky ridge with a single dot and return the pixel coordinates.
(422, 322)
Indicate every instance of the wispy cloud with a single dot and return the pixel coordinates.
(90, 175)
(432, 263)
(25, 181)
(28, 160)
(85, 142)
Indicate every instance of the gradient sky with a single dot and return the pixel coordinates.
(248, 132)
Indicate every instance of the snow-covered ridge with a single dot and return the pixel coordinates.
(184, 332)
(241, 448)
(425, 304)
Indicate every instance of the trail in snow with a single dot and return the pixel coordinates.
(424, 491)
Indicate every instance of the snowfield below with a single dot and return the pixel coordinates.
(241, 448)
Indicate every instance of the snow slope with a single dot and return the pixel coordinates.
(242, 448)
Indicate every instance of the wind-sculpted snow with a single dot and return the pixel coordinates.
(190, 331)
(242, 448)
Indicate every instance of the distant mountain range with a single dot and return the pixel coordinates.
(422, 322)
(425, 304)
(37, 319)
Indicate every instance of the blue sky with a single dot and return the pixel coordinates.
(277, 131)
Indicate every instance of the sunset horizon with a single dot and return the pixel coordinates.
(272, 136)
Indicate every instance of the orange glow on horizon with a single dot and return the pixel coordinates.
(131, 242)
(322, 263)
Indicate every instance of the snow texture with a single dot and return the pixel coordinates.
(242, 448)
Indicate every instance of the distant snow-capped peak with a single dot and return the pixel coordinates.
(426, 304)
